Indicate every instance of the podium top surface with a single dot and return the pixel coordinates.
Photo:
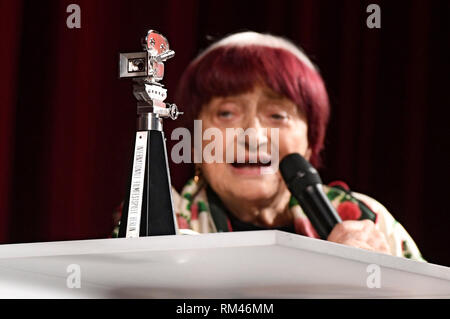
(253, 264)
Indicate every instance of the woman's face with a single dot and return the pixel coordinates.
(258, 109)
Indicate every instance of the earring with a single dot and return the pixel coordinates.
(198, 174)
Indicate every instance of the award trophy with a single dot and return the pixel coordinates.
(148, 207)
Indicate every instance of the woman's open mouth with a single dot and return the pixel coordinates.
(249, 169)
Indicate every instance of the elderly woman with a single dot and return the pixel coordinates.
(259, 81)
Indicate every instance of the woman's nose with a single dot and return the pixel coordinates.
(256, 133)
(252, 122)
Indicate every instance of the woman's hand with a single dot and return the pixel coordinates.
(360, 233)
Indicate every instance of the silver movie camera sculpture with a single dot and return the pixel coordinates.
(148, 207)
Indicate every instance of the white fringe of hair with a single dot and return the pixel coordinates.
(253, 38)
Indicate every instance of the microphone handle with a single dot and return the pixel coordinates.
(318, 209)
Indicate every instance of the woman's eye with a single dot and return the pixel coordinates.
(225, 114)
(278, 116)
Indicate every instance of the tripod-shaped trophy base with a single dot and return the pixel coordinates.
(148, 209)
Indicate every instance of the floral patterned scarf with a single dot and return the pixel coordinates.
(200, 210)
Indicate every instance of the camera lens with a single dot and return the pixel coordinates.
(136, 65)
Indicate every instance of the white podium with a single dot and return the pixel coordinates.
(255, 264)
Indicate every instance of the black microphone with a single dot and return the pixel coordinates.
(305, 185)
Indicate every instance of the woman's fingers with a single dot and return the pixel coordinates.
(359, 233)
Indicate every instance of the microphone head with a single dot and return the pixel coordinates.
(296, 167)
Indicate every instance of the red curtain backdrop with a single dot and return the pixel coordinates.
(67, 122)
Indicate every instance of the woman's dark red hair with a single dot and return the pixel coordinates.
(230, 70)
